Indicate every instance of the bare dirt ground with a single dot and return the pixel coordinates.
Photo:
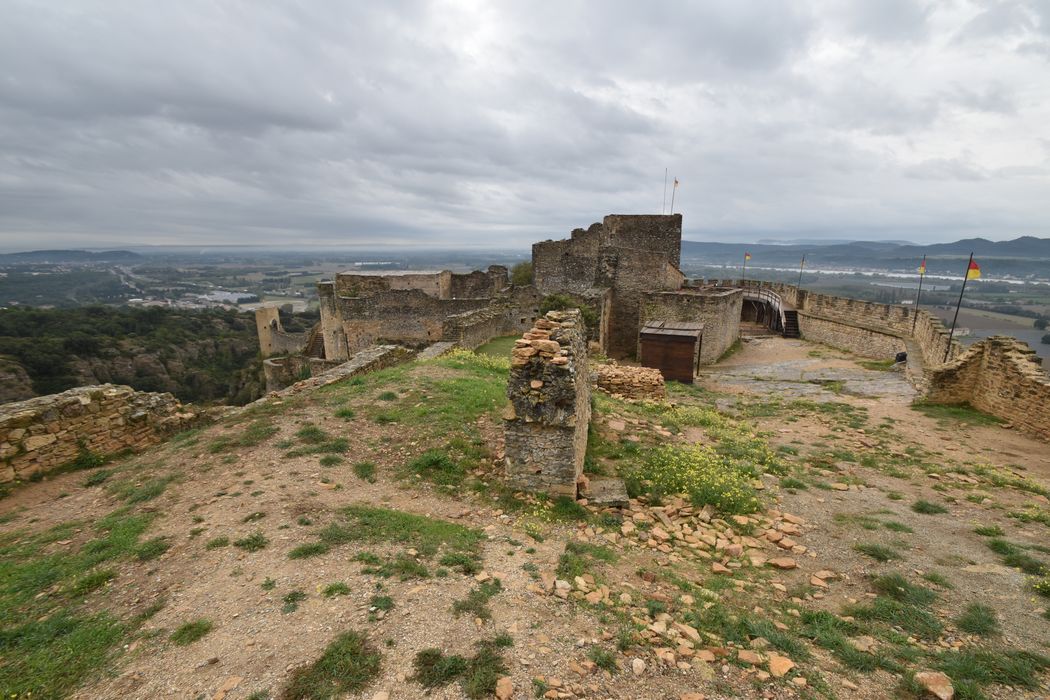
(678, 598)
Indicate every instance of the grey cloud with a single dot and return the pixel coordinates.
(499, 123)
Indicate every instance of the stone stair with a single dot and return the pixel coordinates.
(791, 324)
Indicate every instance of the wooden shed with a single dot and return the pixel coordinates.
(673, 347)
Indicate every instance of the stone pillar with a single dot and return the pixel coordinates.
(549, 390)
(335, 347)
(267, 320)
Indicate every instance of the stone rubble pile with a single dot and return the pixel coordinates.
(630, 382)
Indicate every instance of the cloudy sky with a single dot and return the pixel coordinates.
(499, 123)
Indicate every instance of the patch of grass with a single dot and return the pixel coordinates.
(348, 665)
(151, 549)
(388, 396)
(256, 432)
(366, 471)
(98, 477)
(311, 549)
(291, 601)
(465, 563)
(91, 581)
(928, 508)
(330, 460)
(140, 493)
(268, 584)
(403, 566)
(1020, 669)
(436, 466)
(989, 531)
(918, 621)
(435, 669)
(566, 508)
(938, 579)
(477, 674)
(381, 602)
(426, 535)
(334, 589)
(311, 434)
(961, 413)
(476, 602)
(708, 477)
(578, 559)
(217, 542)
(346, 413)
(603, 659)
(253, 517)
(252, 543)
(878, 552)
(190, 632)
(877, 365)
(978, 619)
(897, 526)
(789, 483)
(899, 588)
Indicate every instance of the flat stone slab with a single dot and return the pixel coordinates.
(606, 491)
(810, 379)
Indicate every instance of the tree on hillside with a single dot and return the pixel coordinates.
(1041, 324)
(1046, 339)
(521, 273)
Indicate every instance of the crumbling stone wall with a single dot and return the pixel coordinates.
(630, 382)
(627, 255)
(273, 339)
(717, 308)
(281, 372)
(550, 406)
(46, 432)
(1001, 376)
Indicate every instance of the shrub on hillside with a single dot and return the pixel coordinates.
(707, 477)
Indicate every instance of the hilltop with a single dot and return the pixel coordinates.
(356, 540)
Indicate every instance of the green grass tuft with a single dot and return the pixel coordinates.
(348, 665)
(928, 508)
(878, 552)
(190, 632)
(311, 549)
(978, 619)
(252, 543)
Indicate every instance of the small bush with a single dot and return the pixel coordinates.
(989, 531)
(190, 632)
(334, 589)
(345, 413)
(438, 467)
(698, 471)
(603, 659)
(98, 477)
(291, 601)
(330, 460)
(434, 669)
(366, 471)
(311, 549)
(217, 542)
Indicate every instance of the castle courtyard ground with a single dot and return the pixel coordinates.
(890, 541)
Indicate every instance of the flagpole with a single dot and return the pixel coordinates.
(663, 207)
(966, 277)
(673, 191)
(922, 275)
(743, 270)
(801, 266)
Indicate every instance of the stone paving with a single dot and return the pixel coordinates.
(813, 379)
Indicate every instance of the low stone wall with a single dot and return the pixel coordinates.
(855, 337)
(1001, 376)
(630, 382)
(369, 360)
(281, 372)
(46, 432)
(550, 406)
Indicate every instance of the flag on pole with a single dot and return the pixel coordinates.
(676, 183)
(974, 272)
(747, 256)
(922, 266)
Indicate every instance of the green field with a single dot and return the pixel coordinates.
(498, 347)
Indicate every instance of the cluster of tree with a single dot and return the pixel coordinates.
(1046, 339)
(198, 355)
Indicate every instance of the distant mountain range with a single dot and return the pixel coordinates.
(1022, 256)
(69, 256)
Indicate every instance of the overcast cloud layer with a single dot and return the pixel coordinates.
(499, 123)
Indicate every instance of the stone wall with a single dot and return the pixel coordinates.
(1001, 376)
(370, 359)
(866, 316)
(627, 255)
(717, 308)
(47, 432)
(550, 406)
(854, 337)
(406, 316)
(630, 382)
(281, 372)
(273, 339)
(512, 312)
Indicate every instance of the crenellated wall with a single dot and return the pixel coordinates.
(550, 406)
(46, 432)
(1001, 376)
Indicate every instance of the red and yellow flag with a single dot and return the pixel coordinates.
(974, 272)
(922, 267)
(747, 256)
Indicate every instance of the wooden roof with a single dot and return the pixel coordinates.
(683, 329)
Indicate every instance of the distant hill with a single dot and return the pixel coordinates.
(1022, 256)
(68, 256)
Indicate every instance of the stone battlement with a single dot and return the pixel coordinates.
(47, 432)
